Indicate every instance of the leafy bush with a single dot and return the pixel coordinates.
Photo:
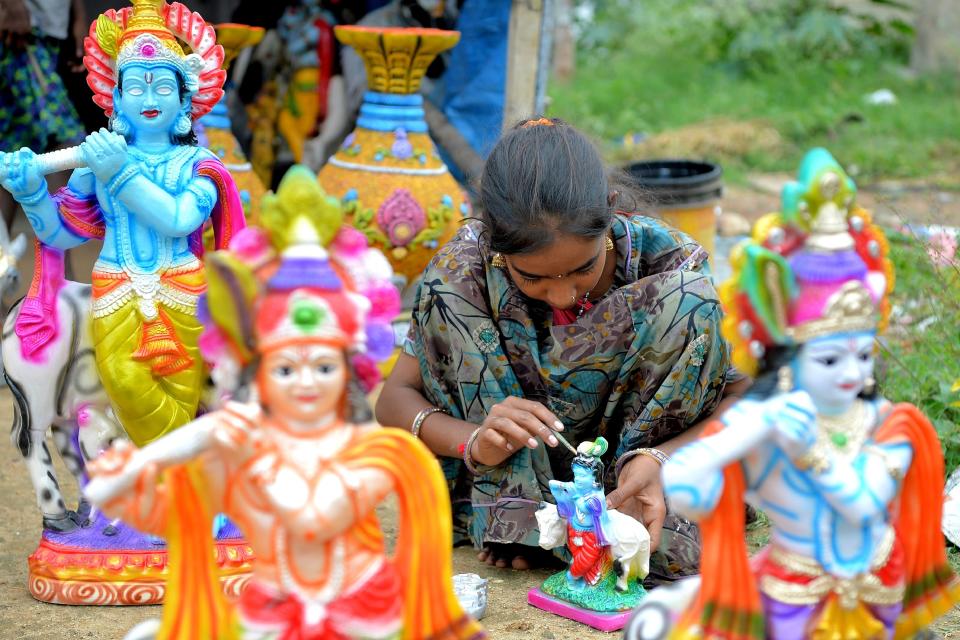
(750, 35)
(767, 36)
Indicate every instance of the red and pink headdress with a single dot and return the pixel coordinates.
(148, 33)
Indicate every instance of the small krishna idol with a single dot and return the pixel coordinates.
(145, 189)
(852, 485)
(610, 551)
(299, 466)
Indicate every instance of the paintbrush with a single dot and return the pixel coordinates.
(564, 442)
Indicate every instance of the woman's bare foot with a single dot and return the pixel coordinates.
(515, 556)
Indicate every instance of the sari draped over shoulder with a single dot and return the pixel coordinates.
(639, 367)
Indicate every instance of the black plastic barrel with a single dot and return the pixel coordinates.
(673, 183)
(684, 193)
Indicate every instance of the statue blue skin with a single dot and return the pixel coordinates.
(149, 218)
(583, 505)
(143, 177)
(838, 517)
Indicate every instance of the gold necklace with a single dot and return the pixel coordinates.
(845, 433)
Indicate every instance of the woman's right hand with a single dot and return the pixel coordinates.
(511, 425)
(20, 173)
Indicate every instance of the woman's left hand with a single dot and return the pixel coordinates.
(639, 494)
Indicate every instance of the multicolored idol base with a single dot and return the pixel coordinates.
(610, 550)
(599, 620)
(104, 563)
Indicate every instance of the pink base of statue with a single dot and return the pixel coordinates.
(601, 621)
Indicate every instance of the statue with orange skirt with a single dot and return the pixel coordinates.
(299, 466)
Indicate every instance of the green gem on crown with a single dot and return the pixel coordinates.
(307, 316)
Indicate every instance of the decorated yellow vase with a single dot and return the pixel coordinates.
(217, 135)
(388, 174)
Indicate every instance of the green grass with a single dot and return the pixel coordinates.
(650, 73)
(651, 84)
(920, 366)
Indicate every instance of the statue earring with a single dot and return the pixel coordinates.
(183, 125)
(119, 124)
(498, 261)
(609, 244)
(869, 385)
(785, 379)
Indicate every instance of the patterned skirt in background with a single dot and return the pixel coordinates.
(35, 111)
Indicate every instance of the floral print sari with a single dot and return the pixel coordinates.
(639, 367)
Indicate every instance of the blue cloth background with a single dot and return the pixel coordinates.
(474, 83)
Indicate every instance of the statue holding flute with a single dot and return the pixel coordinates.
(145, 189)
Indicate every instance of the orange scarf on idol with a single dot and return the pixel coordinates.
(195, 608)
(720, 611)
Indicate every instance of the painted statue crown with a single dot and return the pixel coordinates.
(146, 40)
(849, 310)
(307, 299)
(816, 268)
(150, 32)
(850, 307)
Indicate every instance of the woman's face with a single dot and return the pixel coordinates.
(835, 369)
(561, 273)
(303, 383)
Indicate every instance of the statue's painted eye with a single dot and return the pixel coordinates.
(164, 90)
(828, 361)
(326, 369)
(283, 371)
(135, 91)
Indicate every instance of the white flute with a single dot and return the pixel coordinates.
(54, 161)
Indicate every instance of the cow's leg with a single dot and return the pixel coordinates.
(32, 419)
(622, 569)
(56, 517)
(65, 437)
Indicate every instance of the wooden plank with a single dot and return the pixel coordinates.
(523, 60)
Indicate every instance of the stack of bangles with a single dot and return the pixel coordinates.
(656, 454)
(465, 452)
(420, 417)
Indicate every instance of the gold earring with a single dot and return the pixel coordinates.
(498, 261)
(869, 385)
(609, 244)
(785, 379)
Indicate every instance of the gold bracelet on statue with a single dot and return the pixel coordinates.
(423, 415)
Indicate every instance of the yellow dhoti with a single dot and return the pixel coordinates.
(145, 334)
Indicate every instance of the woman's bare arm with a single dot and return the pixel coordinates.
(402, 399)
